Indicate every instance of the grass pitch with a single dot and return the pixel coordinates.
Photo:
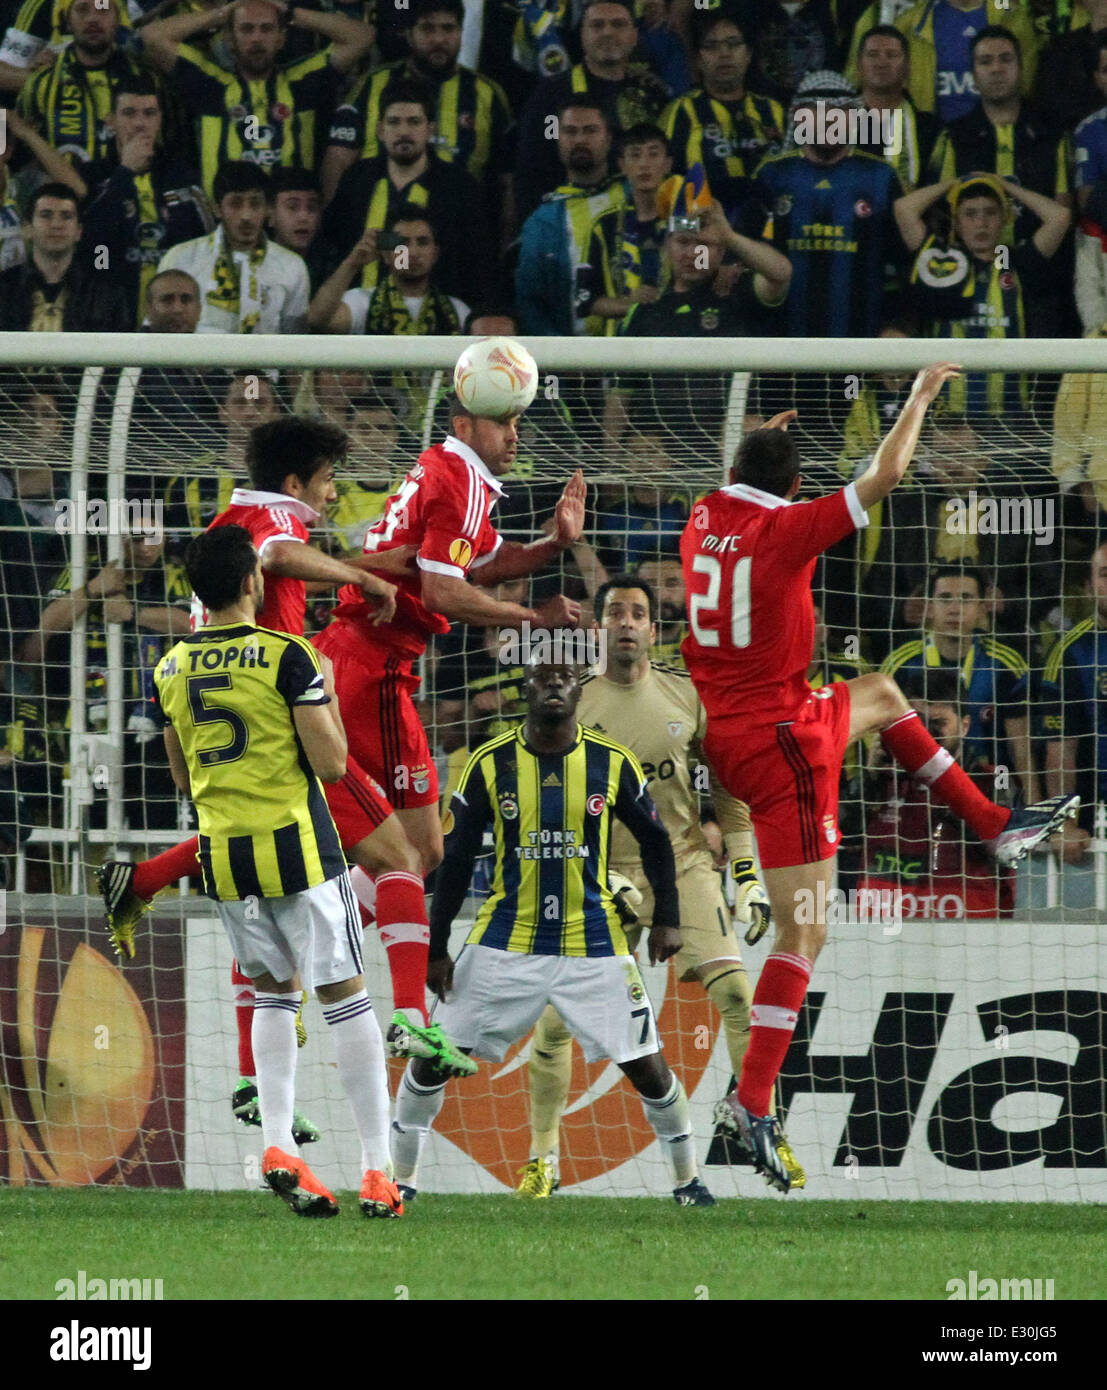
(247, 1245)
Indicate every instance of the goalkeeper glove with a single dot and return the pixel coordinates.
(627, 897)
(751, 903)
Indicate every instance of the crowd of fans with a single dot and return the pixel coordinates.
(792, 168)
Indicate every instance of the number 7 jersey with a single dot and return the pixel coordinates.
(748, 558)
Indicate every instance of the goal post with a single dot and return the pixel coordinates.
(937, 1055)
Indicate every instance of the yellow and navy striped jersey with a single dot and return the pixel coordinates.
(472, 120)
(551, 820)
(69, 104)
(273, 121)
(959, 296)
(229, 693)
(994, 677)
(729, 138)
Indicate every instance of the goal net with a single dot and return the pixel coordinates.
(952, 1042)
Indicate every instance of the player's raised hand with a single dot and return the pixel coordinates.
(558, 611)
(664, 942)
(782, 420)
(440, 976)
(569, 512)
(383, 594)
(930, 381)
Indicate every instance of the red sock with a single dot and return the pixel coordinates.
(402, 923)
(909, 742)
(776, 1003)
(152, 875)
(243, 988)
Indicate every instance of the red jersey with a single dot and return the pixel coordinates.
(269, 517)
(443, 506)
(916, 845)
(748, 559)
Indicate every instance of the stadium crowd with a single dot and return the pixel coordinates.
(777, 167)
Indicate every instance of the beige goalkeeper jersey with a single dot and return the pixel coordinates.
(657, 718)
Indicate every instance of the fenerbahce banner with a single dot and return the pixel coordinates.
(91, 1056)
(932, 1060)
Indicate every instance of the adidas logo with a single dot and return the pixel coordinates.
(823, 183)
(552, 780)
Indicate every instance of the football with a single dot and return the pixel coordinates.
(496, 378)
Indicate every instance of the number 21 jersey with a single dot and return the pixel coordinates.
(748, 558)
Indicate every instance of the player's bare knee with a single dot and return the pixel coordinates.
(431, 855)
(334, 994)
(650, 1076)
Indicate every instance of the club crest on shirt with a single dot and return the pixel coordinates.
(461, 552)
(509, 808)
(709, 320)
(830, 828)
(675, 728)
(636, 993)
(783, 205)
(420, 779)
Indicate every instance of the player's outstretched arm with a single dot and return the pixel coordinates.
(298, 561)
(463, 602)
(896, 451)
(514, 560)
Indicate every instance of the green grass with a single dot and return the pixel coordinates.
(247, 1245)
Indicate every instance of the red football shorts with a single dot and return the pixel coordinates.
(384, 734)
(357, 803)
(787, 774)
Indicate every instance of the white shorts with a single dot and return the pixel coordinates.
(498, 996)
(316, 933)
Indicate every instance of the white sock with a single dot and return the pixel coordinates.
(417, 1109)
(273, 1037)
(670, 1121)
(359, 1051)
(365, 888)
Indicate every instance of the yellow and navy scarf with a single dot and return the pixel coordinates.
(236, 289)
(388, 314)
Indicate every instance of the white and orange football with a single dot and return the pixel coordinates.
(496, 378)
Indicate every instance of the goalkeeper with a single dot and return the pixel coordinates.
(654, 710)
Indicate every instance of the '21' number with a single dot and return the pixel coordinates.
(704, 604)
